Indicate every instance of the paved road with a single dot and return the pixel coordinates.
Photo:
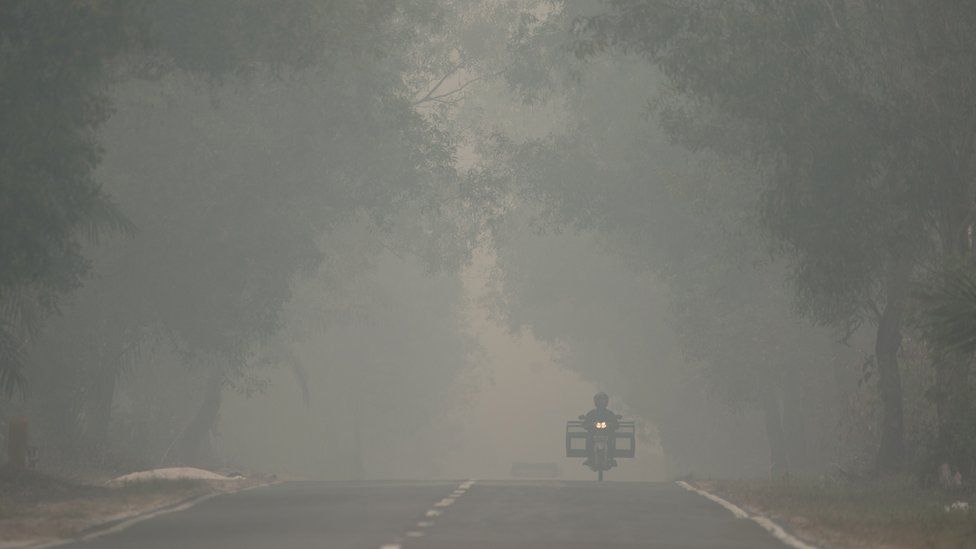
(440, 515)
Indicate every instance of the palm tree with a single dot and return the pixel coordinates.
(949, 311)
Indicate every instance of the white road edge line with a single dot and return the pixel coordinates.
(774, 529)
(734, 509)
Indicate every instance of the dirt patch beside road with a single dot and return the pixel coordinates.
(882, 514)
(36, 507)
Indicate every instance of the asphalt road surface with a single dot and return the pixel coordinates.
(440, 515)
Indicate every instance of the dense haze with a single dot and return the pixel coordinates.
(410, 239)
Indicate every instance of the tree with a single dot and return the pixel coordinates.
(686, 222)
(60, 59)
(233, 167)
(55, 61)
(864, 147)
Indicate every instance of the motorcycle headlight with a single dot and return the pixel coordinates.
(601, 425)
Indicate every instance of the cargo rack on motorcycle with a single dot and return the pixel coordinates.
(625, 443)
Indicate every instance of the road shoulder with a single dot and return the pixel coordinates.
(892, 514)
(39, 510)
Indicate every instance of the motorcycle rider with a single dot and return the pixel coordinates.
(600, 413)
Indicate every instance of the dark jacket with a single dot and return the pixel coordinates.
(601, 414)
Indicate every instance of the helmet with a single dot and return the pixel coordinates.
(601, 400)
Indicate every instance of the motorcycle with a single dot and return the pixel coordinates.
(600, 443)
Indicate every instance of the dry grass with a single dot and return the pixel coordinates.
(35, 506)
(890, 514)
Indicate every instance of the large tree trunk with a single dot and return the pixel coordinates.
(891, 452)
(779, 466)
(196, 437)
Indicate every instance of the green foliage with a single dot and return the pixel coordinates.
(59, 59)
(705, 315)
(783, 88)
(863, 147)
(54, 61)
(234, 145)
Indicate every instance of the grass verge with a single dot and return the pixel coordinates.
(891, 514)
